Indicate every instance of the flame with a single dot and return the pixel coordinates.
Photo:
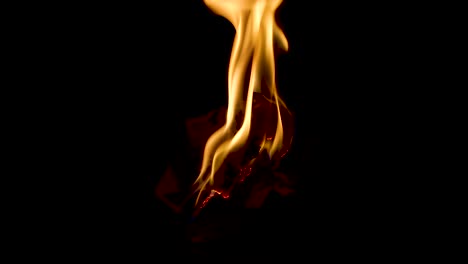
(256, 33)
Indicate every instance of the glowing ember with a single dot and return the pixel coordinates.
(231, 145)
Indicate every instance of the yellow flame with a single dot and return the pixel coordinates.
(256, 32)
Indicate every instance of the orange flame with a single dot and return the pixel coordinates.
(256, 32)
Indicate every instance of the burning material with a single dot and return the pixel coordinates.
(254, 127)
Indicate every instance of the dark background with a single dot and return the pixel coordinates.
(137, 71)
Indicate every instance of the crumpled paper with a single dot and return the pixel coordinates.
(198, 130)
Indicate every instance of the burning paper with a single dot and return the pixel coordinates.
(251, 131)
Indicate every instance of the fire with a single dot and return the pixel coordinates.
(253, 49)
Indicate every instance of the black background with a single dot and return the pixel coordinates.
(134, 72)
